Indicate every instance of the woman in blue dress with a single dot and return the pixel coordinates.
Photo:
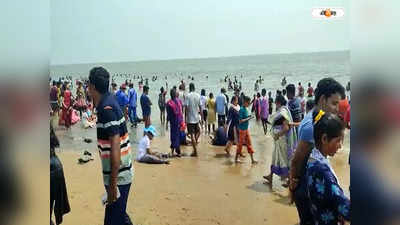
(329, 205)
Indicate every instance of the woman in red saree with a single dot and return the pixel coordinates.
(67, 108)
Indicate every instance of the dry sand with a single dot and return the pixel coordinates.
(210, 189)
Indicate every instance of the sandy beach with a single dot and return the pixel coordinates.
(210, 189)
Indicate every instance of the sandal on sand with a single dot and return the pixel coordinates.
(268, 179)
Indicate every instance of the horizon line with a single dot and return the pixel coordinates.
(199, 58)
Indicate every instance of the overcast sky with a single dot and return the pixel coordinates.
(93, 31)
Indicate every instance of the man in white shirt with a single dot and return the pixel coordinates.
(144, 154)
(192, 106)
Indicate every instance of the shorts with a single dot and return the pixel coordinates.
(193, 128)
(54, 106)
(205, 115)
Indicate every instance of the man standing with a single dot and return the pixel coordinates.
(310, 91)
(327, 96)
(114, 148)
(123, 100)
(132, 97)
(301, 89)
(294, 103)
(221, 103)
(192, 106)
(145, 103)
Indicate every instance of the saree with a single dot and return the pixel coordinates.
(174, 116)
(285, 145)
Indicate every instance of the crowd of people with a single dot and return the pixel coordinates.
(305, 131)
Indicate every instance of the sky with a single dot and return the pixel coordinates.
(93, 31)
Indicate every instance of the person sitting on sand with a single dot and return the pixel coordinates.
(88, 119)
(219, 137)
(144, 154)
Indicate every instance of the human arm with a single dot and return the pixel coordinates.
(302, 151)
(115, 158)
(285, 129)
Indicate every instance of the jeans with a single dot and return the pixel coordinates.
(132, 114)
(115, 213)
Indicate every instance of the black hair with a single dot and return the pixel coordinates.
(162, 89)
(309, 84)
(172, 93)
(145, 88)
(131, 85)
(54, 143)
(258, 94)
(280, 99)
(263, 92)
(54, 83)
(278, 92)
(328, 87)
(284, 91)
(191, 87)
(233, 98)
(203, 92)
(310, 104)
(100, 78)
(246, 99)
(299, 83)
(329, 124)
(291, 89)
(211, 95)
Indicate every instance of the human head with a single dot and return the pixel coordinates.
(284, 92)
(211, 95)
(328, 94)
(191, 87)
(162, 89)
(258, 94)
(309, 84)
(123, 87)
(299, 83)
(150, 131)
(222, 90)
(309, 105)
(235, 100)
(203, 92)
(130, 85)
(54, 83)
(99, 80)
(172, 93)
(269, 93)
(328, 132)
(145, 89)
(280, 101)
(246, 101)
(263, 92)
(290, 90)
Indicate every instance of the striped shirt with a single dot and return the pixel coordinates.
(110, 121)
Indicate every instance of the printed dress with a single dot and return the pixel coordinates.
(327, 199)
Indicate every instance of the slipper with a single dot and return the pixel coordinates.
(83, 159)
(87, 140)
(87, 153)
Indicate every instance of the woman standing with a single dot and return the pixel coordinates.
(285, 138)
(175, 117)
(233, 122)
(211, 117)
(80, 99)
(66, 117)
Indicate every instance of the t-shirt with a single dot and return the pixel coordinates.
(306, 129)
(132, 97)
(294, 106)
(193, 104)
(203, 101)
(145, 104)
(143, 145)
(243, 114)
(221, 102)
(111, 121)
(122, 99)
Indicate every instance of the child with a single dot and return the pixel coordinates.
(329, 205)
(144, 154)
(244, 135)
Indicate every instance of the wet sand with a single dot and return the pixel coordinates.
(210, 189)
